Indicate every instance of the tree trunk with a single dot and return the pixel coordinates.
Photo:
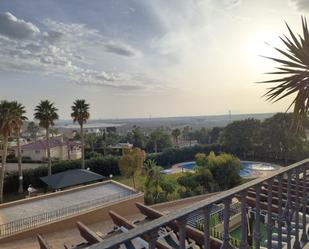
(83, 145)
(3, 165)
(155, 147)
(20, 171)
(92, 146)
(48, 152)
(69, 152)
(133, 178)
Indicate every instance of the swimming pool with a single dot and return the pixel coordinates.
(249, 167)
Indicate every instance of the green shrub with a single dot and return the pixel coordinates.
(177, 155)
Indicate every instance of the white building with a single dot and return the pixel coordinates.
(58, 149)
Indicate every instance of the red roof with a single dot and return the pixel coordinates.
(42, 144)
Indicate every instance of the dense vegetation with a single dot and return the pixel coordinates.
(212, 173)
(268, 140)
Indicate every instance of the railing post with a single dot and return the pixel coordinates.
(226, 236)
(297, 243)
(244, 225)
(153, 236)
(304, 236)
(182, 222)
(269, 212)
(206, 211)
(287, 214)
(280, 213)
(257, 232)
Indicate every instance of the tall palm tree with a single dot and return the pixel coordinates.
(46, 113)
(33, 129)
(176, 133)
(81, 114)
(295, 71)
(19, 110)
(8, 123)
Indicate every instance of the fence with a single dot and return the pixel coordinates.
(58, 214)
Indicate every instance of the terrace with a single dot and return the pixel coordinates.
(280, 199)
(27, 214)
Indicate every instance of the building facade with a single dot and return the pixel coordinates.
(59, 149)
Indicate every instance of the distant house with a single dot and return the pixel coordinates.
(92, 130)
(14, 142)
(58, 149)
(121, 146)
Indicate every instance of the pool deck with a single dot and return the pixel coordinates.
(178, 168)
(57, 201)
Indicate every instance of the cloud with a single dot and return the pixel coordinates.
(120, 49)
(63, 50)
(225, 4)
(70, 32)
(15, 28)
(301, 5)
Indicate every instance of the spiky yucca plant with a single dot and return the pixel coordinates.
(295, 74)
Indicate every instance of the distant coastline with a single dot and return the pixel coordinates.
(207, 121)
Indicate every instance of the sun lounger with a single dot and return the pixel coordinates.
(129, 244)
(42, 242)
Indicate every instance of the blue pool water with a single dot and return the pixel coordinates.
(247, 170)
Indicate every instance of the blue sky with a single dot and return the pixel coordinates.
(131, 58)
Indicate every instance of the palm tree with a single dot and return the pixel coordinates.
(295, 71)
(81, 114)
(153, 178)
(176, 133)
(33, 129)
(19, 111)
(8, 121)
(46, 113)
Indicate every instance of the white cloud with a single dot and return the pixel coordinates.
(301, 5)
(62, 50)
(71, 32)
(15, 28)
(120, 48)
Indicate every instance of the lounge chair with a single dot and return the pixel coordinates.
(129, 244)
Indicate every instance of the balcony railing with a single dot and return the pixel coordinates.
(26, 223)
(280, 199)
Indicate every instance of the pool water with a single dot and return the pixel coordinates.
(248, 167)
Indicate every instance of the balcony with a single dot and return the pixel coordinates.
(279, 200)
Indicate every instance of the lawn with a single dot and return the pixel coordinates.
(140, 180)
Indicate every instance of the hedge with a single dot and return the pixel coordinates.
(103, 166)
(177, 155)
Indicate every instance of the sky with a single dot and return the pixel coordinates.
(141, 58)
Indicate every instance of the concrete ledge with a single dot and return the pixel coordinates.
(123, 207)
(187, 200)
(75, 189)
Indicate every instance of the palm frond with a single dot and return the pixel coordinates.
(296, 68)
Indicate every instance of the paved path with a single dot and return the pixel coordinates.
(60, 201)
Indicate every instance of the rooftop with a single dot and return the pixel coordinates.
(95, 194)
(42, 144)
(71, 178)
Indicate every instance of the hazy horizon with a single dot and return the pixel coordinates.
(136, 59)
